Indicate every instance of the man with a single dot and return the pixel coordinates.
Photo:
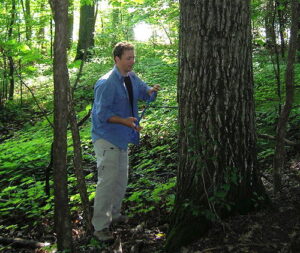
(114, 121)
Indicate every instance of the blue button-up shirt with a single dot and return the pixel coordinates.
(111, 99)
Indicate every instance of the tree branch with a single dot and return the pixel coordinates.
(273, 138)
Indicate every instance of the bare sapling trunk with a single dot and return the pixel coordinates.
(279, 157)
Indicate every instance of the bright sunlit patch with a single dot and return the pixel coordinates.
(142, 32)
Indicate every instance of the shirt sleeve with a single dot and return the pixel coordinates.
(104, 97)
(143, 89)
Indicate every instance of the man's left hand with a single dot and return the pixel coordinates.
(155, 88)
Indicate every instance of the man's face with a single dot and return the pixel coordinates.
(126, 62)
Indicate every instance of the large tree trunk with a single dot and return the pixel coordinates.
(279, 157)
(217, 171)
(86, 29)
(61, 84)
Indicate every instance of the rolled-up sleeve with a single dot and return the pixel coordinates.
(104, 97)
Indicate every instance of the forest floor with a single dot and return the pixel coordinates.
(275, 229)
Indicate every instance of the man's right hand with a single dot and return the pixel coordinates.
(129, 122)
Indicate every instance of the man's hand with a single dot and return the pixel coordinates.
(131, 122)
(155, 88)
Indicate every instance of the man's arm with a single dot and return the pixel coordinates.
(144, 90)
(104, 96)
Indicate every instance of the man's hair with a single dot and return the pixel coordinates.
(120, 48)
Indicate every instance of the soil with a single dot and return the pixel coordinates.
(274, 229)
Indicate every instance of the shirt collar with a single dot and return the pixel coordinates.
(116, 70)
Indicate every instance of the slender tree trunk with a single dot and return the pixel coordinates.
(70, 23)
(270, 24)
(51, 37)
(27, 15)
(272, 46)
(298, 53)
(217, 171)
(279, 157)
(10, 58)
(5, 93)
(28, 18)
(86, 29)
(281, 21)
(61, 84)
(42, 24)
(81, 185)
(11, 78)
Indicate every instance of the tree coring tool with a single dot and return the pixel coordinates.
(135, 135)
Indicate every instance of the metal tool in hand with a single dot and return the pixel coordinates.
(135, 136)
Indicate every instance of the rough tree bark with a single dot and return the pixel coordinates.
(279, 157)
(217, 171)
(61, 84)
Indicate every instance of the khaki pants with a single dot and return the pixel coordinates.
(112, 165)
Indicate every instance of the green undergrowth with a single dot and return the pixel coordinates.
(154, 161)
(151, 190)
(25, 156)
(268, 103)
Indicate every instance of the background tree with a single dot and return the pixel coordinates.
(10, 57)
(61, 86)
(27, 14)
(86, 27)
(279, 157)
(70, 23)
(217, 170)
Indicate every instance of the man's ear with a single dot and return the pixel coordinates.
(117, 59)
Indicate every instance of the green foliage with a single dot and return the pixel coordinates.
(152, 181)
